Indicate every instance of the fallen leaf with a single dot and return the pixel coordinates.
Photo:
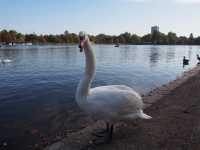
(69, 111)
(34, 131)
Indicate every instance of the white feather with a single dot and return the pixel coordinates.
(112, 103)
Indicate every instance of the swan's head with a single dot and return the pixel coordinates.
(82, 39)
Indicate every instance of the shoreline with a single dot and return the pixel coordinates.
(83, 138)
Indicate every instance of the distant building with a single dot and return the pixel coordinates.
(154, 28)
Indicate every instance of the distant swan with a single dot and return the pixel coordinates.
(114, 103)
(7, 61)
(185, 61)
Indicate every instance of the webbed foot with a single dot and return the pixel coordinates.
(99, 132)
(101, 140)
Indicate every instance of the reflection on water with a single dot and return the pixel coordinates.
(38, 88)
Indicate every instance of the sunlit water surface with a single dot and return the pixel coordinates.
(37, 90)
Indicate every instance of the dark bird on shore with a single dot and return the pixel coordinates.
(198, 57)
(185, 61)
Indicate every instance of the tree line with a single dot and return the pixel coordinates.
(124, 38)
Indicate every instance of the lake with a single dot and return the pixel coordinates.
(37, 90)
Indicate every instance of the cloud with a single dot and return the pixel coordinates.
(186, 1)
(176, 1)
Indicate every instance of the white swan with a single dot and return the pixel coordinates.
(112, 103)
(7, 61)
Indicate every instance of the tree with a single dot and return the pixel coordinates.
(165, 39)
(42, 39)
(53, 39)
(147, 38)
(182, 40)
(31, 37)
(197, 40)
(127, 37)
(122, 39)
(13, 34)
(69, 39)
(92, 38)
(101, 38)
(6, 36)
(46, 37)
(156, 36)
(0, 36)
(135, 39)
(191, 39)
(66, 32)
(172, 38)
(75, 37)
(20, 37)
(109, 40)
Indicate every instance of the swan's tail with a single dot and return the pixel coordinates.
(144, 116)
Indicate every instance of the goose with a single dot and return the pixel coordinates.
(7, 61)
(113, 103)
(198, 57)
(185, 61)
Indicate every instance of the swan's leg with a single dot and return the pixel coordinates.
(101, 132)
(104, 139)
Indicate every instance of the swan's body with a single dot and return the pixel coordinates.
(198, 57)
(185, 61)
(7, 61)
(112, 103)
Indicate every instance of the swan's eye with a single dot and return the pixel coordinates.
(81, 37)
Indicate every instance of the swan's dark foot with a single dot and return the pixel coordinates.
(99, 132)
(106, 138)
(101, 140)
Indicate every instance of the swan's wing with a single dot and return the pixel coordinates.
(116, 88)
(114, 102)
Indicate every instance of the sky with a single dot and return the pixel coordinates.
(110, 17)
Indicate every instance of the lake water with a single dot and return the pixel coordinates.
(37, 90)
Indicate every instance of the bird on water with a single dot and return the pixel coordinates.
(185, 61)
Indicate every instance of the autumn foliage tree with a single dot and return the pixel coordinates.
(6, 36)
(124, 38)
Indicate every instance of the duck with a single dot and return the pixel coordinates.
(198, 57)
(7, 61)
(113, 103)
(185, 61)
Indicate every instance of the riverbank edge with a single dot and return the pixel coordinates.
(83, 138)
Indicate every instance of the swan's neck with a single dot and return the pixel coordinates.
(90, 68)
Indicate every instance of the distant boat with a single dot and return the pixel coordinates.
(117, 45)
